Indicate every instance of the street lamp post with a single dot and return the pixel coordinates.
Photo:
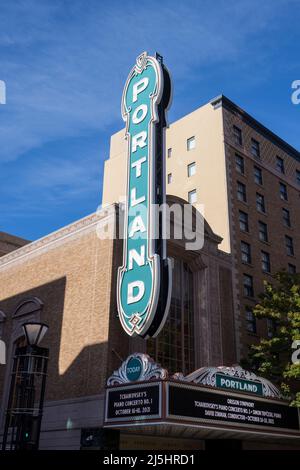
(27, 391)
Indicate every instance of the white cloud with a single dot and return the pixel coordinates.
(65, 63)
(2, 92)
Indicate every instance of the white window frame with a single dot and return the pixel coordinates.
(191, 166)
(191, 143)
(192, 193)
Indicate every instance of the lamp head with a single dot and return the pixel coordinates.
(34, 332)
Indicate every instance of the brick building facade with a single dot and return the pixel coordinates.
(68, 280)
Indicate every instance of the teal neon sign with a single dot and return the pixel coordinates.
(144, 279)
(134, 369)
(241, 385)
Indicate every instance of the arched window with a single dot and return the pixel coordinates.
(28, 306)
(19, 343)
(2, 320)
(28, 309)
(174, 346)
(15, 392)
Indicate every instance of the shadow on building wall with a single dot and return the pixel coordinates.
(86, 368)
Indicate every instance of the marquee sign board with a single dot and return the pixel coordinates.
(197, 404)
(144, 279)
(138, 402)
(170, 401)
(141, 391)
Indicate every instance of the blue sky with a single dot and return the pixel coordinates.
(65, 64)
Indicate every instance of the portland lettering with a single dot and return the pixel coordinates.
(144, 266)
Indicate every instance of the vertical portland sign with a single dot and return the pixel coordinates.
(144, 279)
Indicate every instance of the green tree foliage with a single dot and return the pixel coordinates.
(273, 357)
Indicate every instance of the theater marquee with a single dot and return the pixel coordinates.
(144, 279)
(159, 399)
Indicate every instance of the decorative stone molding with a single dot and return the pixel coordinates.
(207, 376)
(197, 263)
(28, 306)
(60, 236)
(150, 370)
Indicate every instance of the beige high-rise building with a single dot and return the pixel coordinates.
(248, 181)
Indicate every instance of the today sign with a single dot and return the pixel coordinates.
(144, 279)
(134, 369)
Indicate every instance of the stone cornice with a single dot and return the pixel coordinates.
(222, 100)
(62, 235)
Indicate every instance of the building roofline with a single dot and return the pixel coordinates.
(59, 236)
(222, 100)
(12, 239)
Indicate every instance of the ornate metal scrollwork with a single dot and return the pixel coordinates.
(150, 370)
(207, 376)
(141, 62)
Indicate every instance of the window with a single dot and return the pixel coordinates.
(243, 218)
(280, 164)
(169, 178)
(258, 175)
(2, 320)
(265, 262)
(286, 217)
(169, 153)
(28, 306)
(248, 286)
(289, 245)
(241, 192)
(192, 196)
(270, 327)
(298, 177)
(191, 169)
(191, 143)
(283, 192)
(237, 135)
(174, 347)
(260, 203)
(292, 268)
(262, 231)
(239, 164)
(250, 321)
(255, 148)
(20, 394)
(246, 252)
